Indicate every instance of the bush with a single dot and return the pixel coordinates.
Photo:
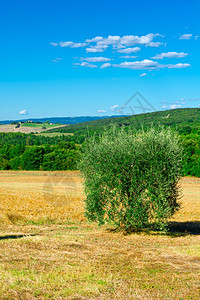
(131, 179)
(32, 158)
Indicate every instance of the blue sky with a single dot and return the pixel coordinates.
(73, 58)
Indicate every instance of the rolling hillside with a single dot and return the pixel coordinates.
(180, 119)
(59, 120)
(186, 121)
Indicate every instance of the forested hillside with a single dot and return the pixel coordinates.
(184, 120)
(39, 152)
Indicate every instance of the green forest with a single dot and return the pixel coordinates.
(20, 151)
(37, 152)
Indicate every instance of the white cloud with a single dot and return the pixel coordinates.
(72, 44)
(186, 36)
(158, 34)
(174, 106)
(126, 44)
(97, 48)
(100, 44)
(177, 66)
(196, 37)
(96, 39)
(182, 102)
(86, 64)
(190, 99)
(56, 60)
(54, 44)
(95, 59)
(143, 74)
(129, 50)
(110, 40)
(131, 40)
(78, 45)
(148, 64)
(114, 107)
(138, 65)
(170, 55)
(101, 111)
(66, 44)
(128, 56)
(154, 44)
(23, 112)
(145, 64)
(106, 65)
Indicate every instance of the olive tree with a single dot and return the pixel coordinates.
(131, 179)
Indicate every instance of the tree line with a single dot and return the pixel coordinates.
(19, 151)
(185, 121)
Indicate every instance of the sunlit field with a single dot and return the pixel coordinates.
(40, 197)
(27, 128)
(49, 250)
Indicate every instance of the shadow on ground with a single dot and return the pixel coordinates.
(174, 229)
(184, 227)
(15, 236)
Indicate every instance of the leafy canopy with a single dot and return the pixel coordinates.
(131, 179)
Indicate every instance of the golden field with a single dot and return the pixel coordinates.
(49, 251)
(40, 197)
(27, 129)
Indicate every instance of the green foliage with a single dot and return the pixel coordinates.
(57, 157)
(191, 161)
(60, 159)
(4, 164)
(131, 178)
(29, 152)
(185, 121)
(32, 158)
(15, 163)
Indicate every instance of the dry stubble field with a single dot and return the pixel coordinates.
(49, 251)
(26, 129)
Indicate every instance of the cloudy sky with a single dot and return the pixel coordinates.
(72, 58)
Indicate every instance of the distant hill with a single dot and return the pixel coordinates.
(176, 118)
(60, 120)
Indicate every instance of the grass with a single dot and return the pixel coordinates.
(40, 197)
(28, 127)
(39, 125)
(49, 251)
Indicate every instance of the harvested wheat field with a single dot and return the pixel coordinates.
(40, 197)
(48, 250)
(26, 129)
